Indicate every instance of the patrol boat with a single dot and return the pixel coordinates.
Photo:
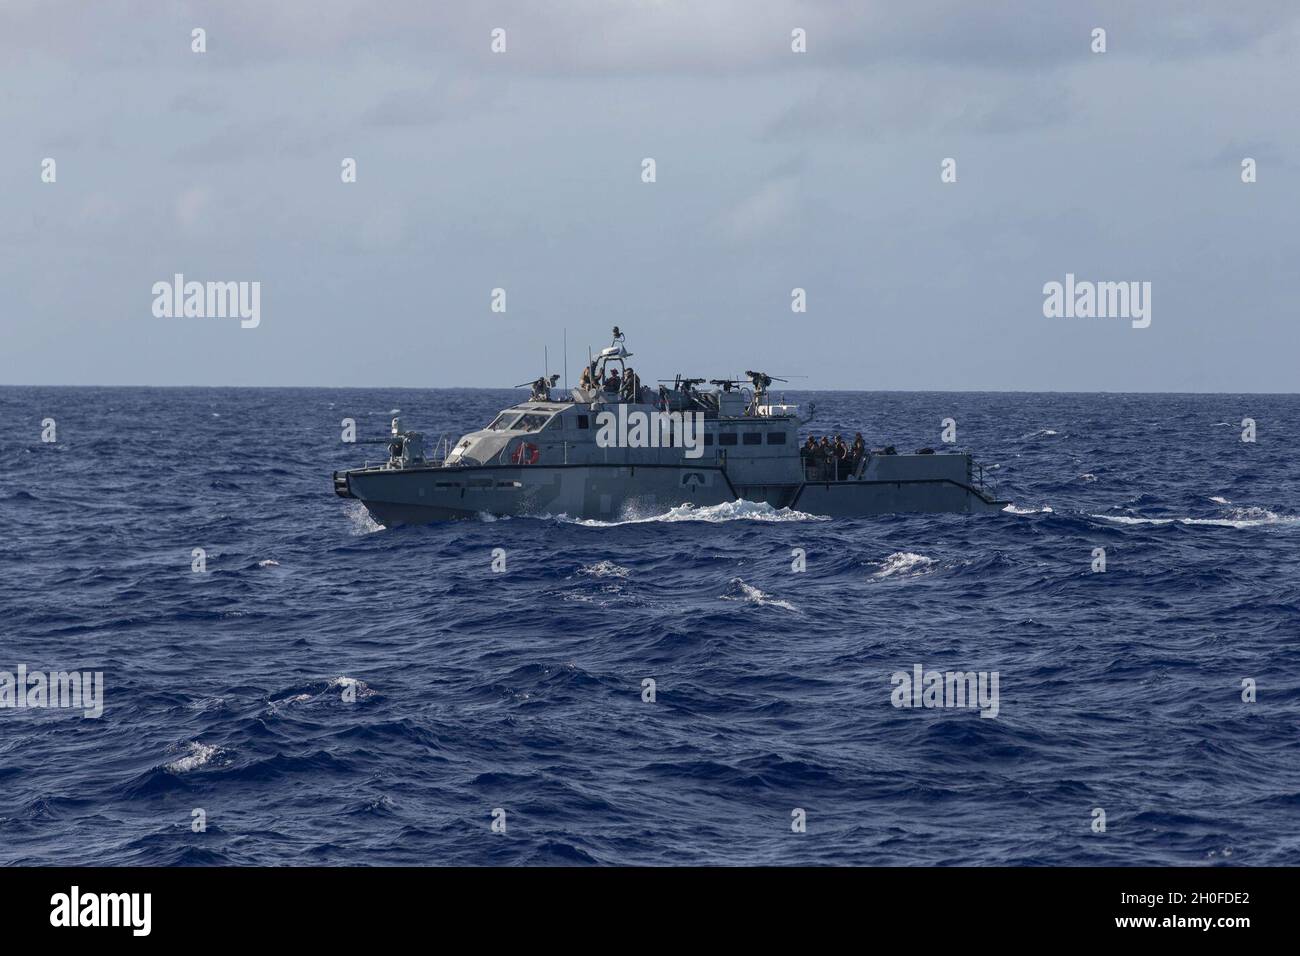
(612, 448)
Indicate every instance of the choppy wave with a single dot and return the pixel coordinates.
(358, 687)
(604, 569)
(738, 590)
(619, 681)
(196, 755)
(334, 689)
(902, 563)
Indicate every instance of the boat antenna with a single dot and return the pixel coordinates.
(566, 360)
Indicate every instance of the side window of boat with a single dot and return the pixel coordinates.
(726, 438)
(708, 438)
(753, 438)
(583, 421)
(776, 438)
(503, 421)
(532, 423)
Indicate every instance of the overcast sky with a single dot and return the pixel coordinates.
(775, 170)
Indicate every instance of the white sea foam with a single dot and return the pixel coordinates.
(195, 756)
(1237, 518)
(903, 563)
(752, 595)
(335, 687)
(738, 510)
(1218, 500)
(359, 687)
(1018, 510)
(604, 569)
(360, 519)
(268, 563)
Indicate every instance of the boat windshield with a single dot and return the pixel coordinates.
(531, 423)
(517, 422)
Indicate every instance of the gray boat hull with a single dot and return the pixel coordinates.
(421, 495)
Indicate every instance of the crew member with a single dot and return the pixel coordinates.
(841, 452)
(824, 455)
(858, 451)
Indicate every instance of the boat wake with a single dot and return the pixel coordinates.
(738, 510)
(360, 520)
(1235, 518)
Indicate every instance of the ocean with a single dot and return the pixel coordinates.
(325, 691)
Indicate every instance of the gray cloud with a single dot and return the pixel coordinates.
(573, 37)
(775, 170)
(941, 100)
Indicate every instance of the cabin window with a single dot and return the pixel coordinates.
(531, 423)
(753, 438)
(708, 438)
(726, 438)
(776, 438)
(584, 421)
(503, 421)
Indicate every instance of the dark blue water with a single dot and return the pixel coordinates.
(474, 690)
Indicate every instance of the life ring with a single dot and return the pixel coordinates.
(526, 453)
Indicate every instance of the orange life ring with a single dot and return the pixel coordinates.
(526, 453)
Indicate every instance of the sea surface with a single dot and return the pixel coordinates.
(330, 692)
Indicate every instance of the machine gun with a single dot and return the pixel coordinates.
(541, 387)
(684, 384)
(404, 447)
(762, 382)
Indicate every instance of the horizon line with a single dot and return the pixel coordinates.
(973, 389)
